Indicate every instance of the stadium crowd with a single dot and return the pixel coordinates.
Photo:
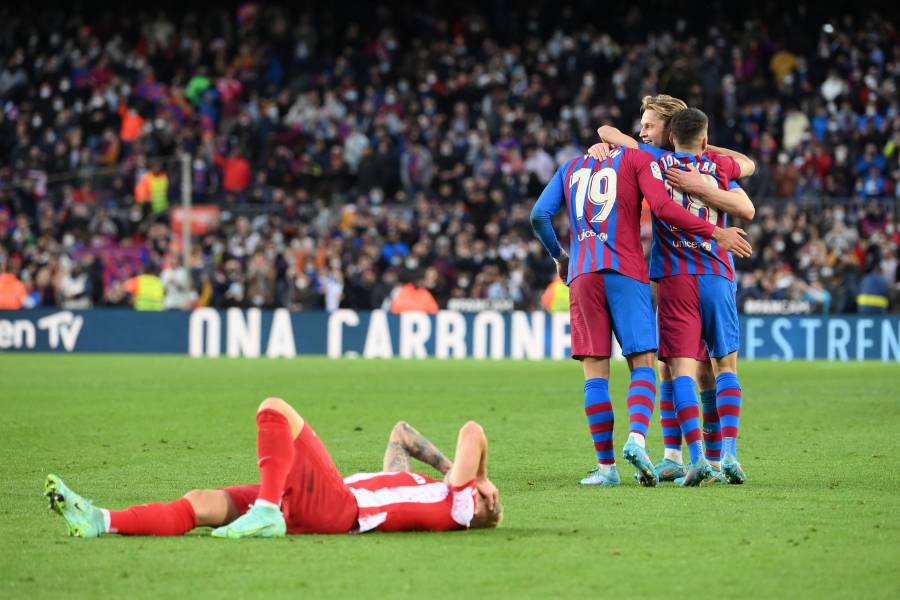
(352, 160)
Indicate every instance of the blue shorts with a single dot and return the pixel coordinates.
(697, 317)
(606, 302)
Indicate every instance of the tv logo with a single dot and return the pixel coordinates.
(62, 328)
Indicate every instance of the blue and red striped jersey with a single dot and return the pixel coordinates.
(604, 203)
(677, 252)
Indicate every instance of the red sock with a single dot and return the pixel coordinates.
(275, 449)
(161, 518)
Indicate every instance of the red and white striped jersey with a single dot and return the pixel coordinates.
(404, 501)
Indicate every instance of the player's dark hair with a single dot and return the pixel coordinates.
(688, 125)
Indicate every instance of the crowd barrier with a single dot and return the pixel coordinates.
(378, 334)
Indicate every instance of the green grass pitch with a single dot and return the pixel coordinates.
(819, 516)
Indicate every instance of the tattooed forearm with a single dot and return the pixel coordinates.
(396, 458)
(420, 448)
(405, 443)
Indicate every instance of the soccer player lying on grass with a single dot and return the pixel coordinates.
(301, 491)
(609, 286)
(695, 292)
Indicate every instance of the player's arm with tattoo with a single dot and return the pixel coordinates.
(405, 443)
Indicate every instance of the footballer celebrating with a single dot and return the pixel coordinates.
(695, 293)
(301, 491)
(609, 286)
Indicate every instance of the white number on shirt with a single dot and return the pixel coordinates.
(599, 188)
(696, 206)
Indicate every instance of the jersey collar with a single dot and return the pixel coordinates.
(694, 159)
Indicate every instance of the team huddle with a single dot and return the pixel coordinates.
(691, 188)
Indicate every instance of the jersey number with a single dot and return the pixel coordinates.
(696, 206)
(599, 188)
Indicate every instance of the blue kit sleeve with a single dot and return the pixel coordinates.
(542, 214)
(655, 152)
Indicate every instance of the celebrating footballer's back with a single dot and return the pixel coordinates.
(609, 285)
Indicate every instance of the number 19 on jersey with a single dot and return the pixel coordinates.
(599, 188)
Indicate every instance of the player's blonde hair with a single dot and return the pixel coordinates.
(487, 519)
(663, 105)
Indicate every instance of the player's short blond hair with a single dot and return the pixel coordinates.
(663, 105)
(488, 519)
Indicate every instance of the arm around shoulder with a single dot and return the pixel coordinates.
(611, 135)
(745, 163)
(735, 202)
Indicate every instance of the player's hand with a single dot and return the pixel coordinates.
(562, 265)
(490, 492)
(600, 151)
(689, 181)
(732, 240)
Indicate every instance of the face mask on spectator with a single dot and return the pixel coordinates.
(840, 153)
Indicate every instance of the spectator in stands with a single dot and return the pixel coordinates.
(12, 290)
(153, 188)
(332, 289)
(147, 290)
(874, 291)
(410, 297)
(437, 128)
(176, 281)
(260, 280)
(870, 160)
(235, 171)
(132, 126)
(302, 295)
(75, 288)
(556, 296)
(816, 294)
